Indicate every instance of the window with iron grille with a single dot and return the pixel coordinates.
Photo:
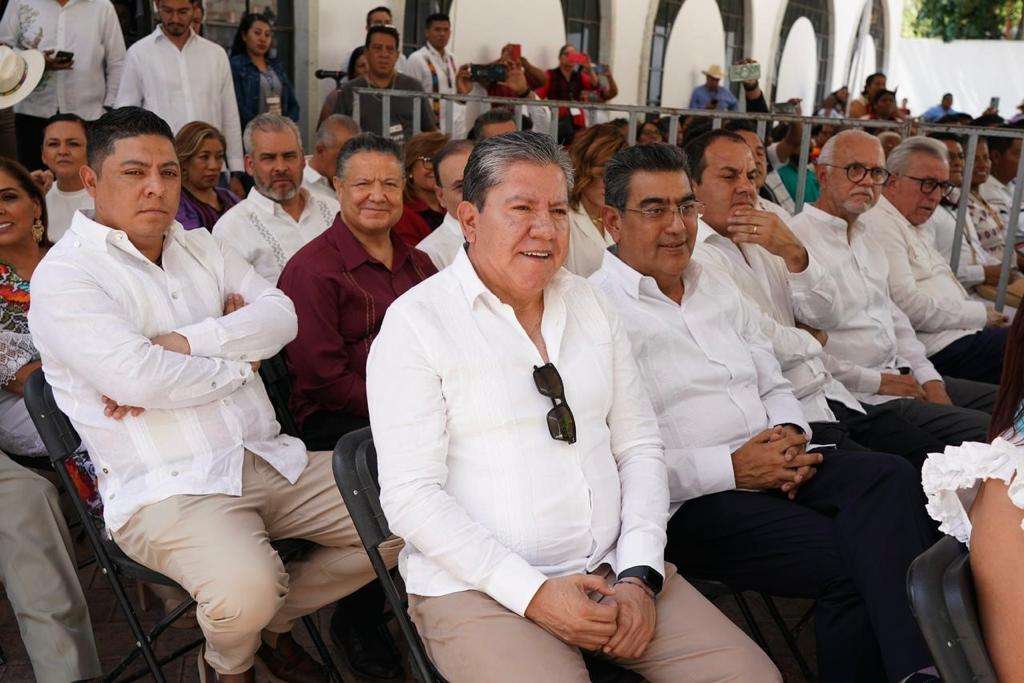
(817, 12)
(583, 26)
(415, 29)
(733, 21)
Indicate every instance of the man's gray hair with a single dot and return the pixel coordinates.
(367, 142)
(325, 133)
(828, 150)
(491, 158)
(900, 156)
(269, 123)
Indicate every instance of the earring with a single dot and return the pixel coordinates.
(38, 230)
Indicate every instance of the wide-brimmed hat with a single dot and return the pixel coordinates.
(714, 71)
(20, 71)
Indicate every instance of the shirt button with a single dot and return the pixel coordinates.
(174, 295)
(213, 384)
(106, 471)
(174, 473)
(113, 496)
(77, 243)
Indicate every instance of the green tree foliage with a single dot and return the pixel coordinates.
(965, 19)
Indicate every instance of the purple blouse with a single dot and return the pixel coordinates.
(194, 213)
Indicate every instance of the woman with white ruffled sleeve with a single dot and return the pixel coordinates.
(976, 493)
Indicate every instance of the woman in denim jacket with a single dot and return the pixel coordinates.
(261, 84)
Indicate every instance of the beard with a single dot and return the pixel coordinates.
(276, 195)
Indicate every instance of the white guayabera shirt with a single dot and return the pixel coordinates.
(97, 302)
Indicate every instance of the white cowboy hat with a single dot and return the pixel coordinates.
(714, 71)
(20, 72)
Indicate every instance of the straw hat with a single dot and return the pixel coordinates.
(20, 72)
(714, 71)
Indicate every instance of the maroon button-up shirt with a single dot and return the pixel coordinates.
(341, 294)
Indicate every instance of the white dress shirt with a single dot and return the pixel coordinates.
(181, 86)
(708, 370)
(317, 184)
(443, 244)
(470, 477)
(436, 73)
(921, 282)
(874, 335)
(778, 297)
(1000, 198)
(89, 29)
(97, 302)
(61, 207)
(973, 256)
(267, 236)
(587, 245)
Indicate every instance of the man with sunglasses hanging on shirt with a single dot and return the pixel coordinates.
(752, 507)
(520, 458)
(873, 350)
(963, 337)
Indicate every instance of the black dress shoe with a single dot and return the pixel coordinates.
(368, 648)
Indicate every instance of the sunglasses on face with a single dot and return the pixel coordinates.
(561, 423)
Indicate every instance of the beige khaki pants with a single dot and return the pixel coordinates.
(37, 569)
(470, 637)
(218, 548)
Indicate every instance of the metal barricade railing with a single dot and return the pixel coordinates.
(635, 113)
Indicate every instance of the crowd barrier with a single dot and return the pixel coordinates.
(635, 114)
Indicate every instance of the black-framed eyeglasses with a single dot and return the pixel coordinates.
(687, 211)
(929, 185)
(856, 172)
(561, 423)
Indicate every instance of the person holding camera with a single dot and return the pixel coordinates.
(578, 80)
(84, 52)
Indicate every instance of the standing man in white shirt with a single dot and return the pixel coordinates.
(532, 452)
(784, 284)
(83, 46)
(321, 165)
(279, 216)
(445, 242)
(436, 68)
(963, 338)
(758, 511)
(182, 78)
(874, 349)
(194, 473)
(64, 154)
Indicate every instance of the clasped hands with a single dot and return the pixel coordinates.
(775, 459)
(621, 625)
(172, 341)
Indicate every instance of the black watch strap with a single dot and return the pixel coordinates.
(651, 578)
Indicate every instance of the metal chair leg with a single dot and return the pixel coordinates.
(321, 647)
(787, 635)
(755, 630)
(3, 660)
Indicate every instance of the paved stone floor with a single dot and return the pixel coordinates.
(114, 639)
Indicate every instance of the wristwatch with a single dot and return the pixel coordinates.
(648, 575)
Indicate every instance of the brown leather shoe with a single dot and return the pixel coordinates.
(207, 674)
(290, 663)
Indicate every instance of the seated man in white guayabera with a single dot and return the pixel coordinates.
(875, 351)
(279, 216)
(963, 338)
(150, 337)
(444, 243)
(976, 493)
(751, 506)
(520, 458)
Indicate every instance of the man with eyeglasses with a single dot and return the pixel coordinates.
(383, 46)
(520, 458)
(750, 505)
(792, 293)
(963, 338)
(873, 349)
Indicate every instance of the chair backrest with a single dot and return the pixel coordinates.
(54, 427)
(961, 601)
(355, 471)
(274, 372)
(938, 574)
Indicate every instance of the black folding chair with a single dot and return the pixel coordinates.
(274, 372)
(62, 441)
(942, 598)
